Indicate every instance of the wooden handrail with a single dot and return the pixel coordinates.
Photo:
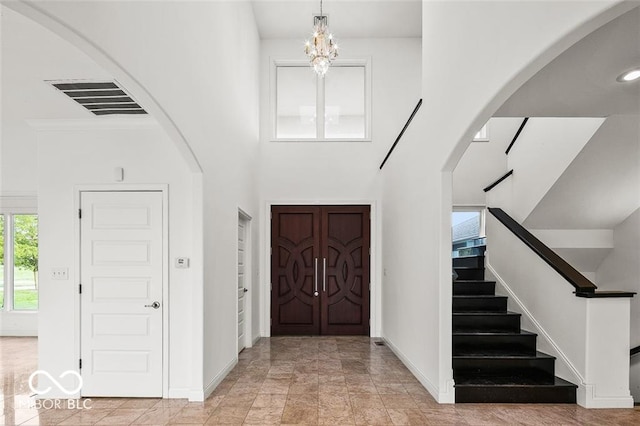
(524, 123)
(575, 278)
(415, 110)
(494, 184)
(634, 351)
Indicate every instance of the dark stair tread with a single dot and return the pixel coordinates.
(493, 333)
(465, 268)
(487, 356)
(478, 296)
(512, 381)
(470, 313)
(473, 281)
(470, 255)
(507, 353)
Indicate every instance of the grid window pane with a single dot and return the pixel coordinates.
(295, 103)
(345, 103)
(1, 261)
(25, 262)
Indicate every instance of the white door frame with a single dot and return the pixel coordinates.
(248, 281)
(375, 265)
(164, 189)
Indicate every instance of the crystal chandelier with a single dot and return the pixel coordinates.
(322, 50)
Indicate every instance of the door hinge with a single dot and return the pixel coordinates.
(271, 286)
(79, 288)
(79, 213)
(80, 363)
(271, 321)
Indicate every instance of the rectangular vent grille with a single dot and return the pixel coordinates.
(100, 98)
(378, 343)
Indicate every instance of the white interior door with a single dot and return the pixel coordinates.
(121, 263)
(242, 265)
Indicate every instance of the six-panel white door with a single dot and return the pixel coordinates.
(121, 249)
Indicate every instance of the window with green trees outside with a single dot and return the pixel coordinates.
(18, 261)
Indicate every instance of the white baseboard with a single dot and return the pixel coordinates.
(181, 393)
(445, 397)
(18, 333)
(213, 384)
(587, 398)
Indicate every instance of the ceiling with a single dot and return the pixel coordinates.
(347, 18)
(581, 82)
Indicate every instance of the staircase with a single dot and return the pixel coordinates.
(493, 359)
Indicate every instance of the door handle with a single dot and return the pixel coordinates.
(315, 277)
(324, 274)
(245, 290)
(154, 305)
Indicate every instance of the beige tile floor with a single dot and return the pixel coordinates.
(292, 380)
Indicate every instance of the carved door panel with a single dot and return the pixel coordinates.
(320, 270)
(345, 270)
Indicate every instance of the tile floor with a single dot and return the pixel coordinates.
(292, 380)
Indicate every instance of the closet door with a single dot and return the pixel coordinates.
(295, 256)
(344, 273)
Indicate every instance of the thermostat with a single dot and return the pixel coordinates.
(182, 262)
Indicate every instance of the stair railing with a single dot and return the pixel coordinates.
(515, 138)
(415, 110)
(584, 287)
(634, 351)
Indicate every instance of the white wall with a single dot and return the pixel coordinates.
(85, 153)
(338, 172)
(32, 54)
(504, 43)
(620, 271)
(544, 150)
(483, 163)
(194, 66)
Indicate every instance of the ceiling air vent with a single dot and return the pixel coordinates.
(101, 98)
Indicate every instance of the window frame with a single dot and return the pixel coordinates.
(8, 275)
(320, 99)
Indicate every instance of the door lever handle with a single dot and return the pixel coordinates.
(324, 274)
(315, 277)
(154, 305)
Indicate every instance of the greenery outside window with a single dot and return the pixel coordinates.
(19, 261)
(306, 107)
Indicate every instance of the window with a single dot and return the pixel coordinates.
(19, 257)
(467, 231)
(482, 135)
(307, 107)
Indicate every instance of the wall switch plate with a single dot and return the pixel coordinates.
(59, 273)
(182, 262)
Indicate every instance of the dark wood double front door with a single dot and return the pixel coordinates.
(320, 270)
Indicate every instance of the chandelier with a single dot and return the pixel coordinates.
(322, 50)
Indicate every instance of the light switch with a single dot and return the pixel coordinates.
(59, 273)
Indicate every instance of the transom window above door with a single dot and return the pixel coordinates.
(305, 107)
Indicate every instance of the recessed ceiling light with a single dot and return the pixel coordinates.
(630, 75)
